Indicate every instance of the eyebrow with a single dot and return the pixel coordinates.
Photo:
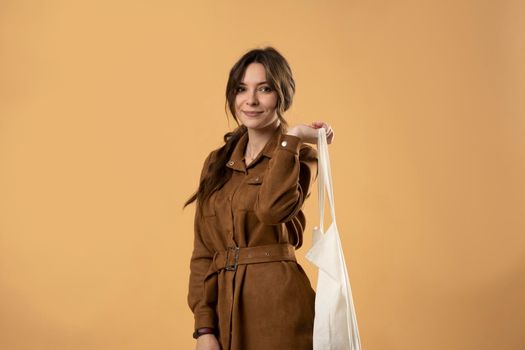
(262, 82)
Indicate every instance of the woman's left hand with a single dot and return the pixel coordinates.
(308, 133)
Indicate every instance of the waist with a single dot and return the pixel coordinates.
(230, 258)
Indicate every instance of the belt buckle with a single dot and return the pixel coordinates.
(232, 267)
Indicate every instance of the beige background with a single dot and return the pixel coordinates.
(107, 110)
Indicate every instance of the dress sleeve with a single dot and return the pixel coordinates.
(200, 262)
(287, 182)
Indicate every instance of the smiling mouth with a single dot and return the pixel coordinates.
(252, 114)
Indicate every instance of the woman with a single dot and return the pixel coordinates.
(246, 290)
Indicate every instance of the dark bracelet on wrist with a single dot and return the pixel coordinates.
(202, 331)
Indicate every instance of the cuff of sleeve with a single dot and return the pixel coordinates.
(206, 320)
(290, 143)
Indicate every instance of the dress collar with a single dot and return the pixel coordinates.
(236, 161)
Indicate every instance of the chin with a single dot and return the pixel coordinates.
(251, 123)
(257, 124)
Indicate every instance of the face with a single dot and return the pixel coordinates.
(256, 101)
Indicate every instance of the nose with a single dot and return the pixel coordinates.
(252, 99)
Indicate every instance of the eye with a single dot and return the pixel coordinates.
(239, 89)
(266, 88)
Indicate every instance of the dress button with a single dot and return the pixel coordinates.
(284, 143)
(231, 162)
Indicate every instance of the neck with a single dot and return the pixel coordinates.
(257, 138)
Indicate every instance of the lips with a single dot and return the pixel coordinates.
(252, 113)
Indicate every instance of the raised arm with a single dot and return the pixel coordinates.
(287, 183)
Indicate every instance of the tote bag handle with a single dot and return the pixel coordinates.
(324, 178)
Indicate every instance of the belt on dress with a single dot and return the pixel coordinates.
(228, 260)
(232, 257)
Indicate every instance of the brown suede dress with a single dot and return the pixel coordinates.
(266, 305)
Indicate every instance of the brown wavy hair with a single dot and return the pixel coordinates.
(279, 77)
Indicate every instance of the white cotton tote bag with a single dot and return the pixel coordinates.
(335, 323)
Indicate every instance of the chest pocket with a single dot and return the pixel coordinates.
(245, 198)
(255, 180)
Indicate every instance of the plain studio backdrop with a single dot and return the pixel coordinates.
(108, 109)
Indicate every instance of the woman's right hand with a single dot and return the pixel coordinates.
(309, 133)
(207, 342)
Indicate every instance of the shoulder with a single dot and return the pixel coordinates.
(210, 158)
